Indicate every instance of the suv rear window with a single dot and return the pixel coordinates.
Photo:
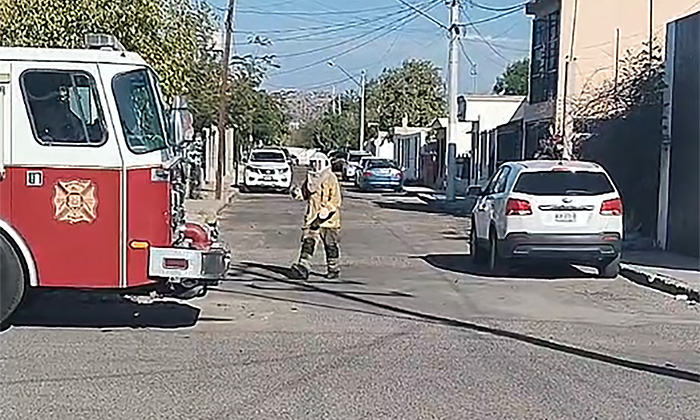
(563, 183)
(267, 157)
(380, 164)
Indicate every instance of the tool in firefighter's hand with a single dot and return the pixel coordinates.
(323, 215)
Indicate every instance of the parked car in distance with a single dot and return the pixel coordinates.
(338, 159)
(379, 173)
(267, 169)
(543, 209)
(352, 164)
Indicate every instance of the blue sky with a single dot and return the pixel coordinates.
(374, 34)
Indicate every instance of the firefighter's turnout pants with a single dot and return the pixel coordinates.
(330, 238)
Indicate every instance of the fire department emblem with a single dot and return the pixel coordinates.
(75, 201)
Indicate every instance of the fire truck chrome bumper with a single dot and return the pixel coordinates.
(188, 263)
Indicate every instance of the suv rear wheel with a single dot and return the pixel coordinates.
(477, 253)
(609, 269)
(494, 262)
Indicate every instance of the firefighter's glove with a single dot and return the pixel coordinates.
(324, 214)
(296, 194)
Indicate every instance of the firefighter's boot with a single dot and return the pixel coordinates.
(300, 272)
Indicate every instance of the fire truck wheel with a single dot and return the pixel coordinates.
(186, 293)
(12, 280)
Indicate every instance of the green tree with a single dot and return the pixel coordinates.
(269, 122)
(169, 34)
(515, 80)
(176, 37)
(414, 89)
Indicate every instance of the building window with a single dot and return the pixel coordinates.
(545, 58)
(64, 108)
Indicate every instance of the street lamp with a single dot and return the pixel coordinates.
(361, 84)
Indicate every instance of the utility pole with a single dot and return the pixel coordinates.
(223, 102)
(617, 57)
(651, 34)
(361, 84)
(565, 135)
(362, 111)
(452, 85)
(333, 98)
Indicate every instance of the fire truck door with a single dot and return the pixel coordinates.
(4, 122)
(65, 174)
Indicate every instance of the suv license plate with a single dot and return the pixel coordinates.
(565, 217)
(267, 178)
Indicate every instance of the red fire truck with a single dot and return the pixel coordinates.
(91, 179)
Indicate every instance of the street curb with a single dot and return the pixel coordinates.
(666, 284)
(218, 206)
(459, 207)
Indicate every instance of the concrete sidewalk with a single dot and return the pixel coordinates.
(208, 206)
(666, 271)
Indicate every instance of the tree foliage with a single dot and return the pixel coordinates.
(640, 84)
(176, 37)
(334, 130)
(414, 89)
(514, 80)
(169, 34)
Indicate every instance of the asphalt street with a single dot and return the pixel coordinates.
(411, 331)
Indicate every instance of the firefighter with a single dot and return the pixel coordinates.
(321, 191)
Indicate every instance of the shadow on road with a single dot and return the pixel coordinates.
(309, 303)
(245, 269)
(498, 332)
(662, 260)
(81, 309)
(422, 208)
(462, 263)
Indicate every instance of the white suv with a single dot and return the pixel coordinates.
(568, 211)
(269, 169)
(352, 164)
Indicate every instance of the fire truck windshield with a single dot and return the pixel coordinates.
(140, 111)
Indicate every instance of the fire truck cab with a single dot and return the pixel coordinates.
(91, 192)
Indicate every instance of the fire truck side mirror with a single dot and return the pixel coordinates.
(181, 121)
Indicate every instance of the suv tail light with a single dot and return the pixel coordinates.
(611, 207)
(515, 207)
(368, 174)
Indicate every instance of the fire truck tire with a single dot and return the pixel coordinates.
(12, 280)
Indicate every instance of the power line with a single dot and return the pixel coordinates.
(347, 41)
(432, 19)
(464, 53)
(335, 82)
(358, 46)
(333, 27)
(491, 18)
(481, 36)
(496, 9)
(345, 27)
(316, 13)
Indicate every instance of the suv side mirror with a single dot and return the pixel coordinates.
(475, 191)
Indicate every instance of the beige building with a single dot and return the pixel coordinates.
(576, 44)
